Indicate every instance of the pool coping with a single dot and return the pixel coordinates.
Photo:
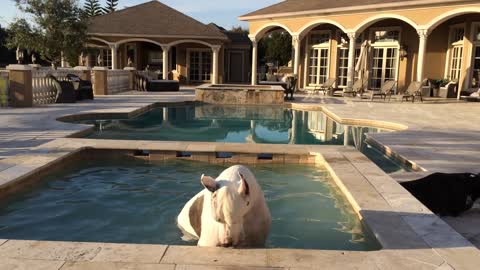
(411, 236)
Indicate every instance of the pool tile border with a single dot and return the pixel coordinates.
(403, 226)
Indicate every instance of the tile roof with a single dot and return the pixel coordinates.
(151, 19)
(313, 6)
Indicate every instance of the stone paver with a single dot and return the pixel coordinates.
(130, 253)
(215, 256)
(115, 266)
(22, 264)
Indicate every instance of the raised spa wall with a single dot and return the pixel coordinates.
(240, 94)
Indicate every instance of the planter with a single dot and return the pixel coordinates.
(435, 91)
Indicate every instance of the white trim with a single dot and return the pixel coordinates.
(189, 50)
(386, 45)
(154, 36)
(174, 43)
(450, 47)
(402, 4)
(371, 20)
(448, 15)
(123, 41)
(327, 46)
(311, 25)
(101, 40)
(264, 29)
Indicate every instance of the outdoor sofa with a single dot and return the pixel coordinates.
(83, 88)
(65, 90)
(155, 85)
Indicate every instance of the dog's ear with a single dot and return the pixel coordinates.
(209, 183)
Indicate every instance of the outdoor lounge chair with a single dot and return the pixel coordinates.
(290, 87)
(65, 90)
(149, 85)
(385, 90)
(414, 90)
(326, 86)
(83, 88)
(358, 88)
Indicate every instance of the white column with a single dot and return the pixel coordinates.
(254, 60)
(215, 50)
(114, 48)
(352, 36)
(296, 47)
(165, 50)
(422, 49)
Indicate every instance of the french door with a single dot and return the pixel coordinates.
(318, 66)
(476, 67)
(456, 62)
(200, 65)
(384, 66)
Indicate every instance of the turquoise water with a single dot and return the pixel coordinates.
(242, 124)
(132, 201)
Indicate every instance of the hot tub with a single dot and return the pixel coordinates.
(240, 94)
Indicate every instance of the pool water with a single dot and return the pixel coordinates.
(242, 124)
(135, 201)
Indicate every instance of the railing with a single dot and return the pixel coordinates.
(4, 94)
(118, 81)
(43, 88)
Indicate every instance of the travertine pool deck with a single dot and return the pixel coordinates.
(440, 137)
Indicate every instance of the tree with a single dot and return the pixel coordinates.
(111, 6)
(276, 47)
(92, 8)
(239, 29)
(6, 56)
(59, 29)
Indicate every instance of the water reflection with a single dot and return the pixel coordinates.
(274, 125)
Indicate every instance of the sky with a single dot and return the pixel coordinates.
(222, 12)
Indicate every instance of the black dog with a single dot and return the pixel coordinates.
(446, 194)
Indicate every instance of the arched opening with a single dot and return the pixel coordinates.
(274, 58)
(324, 51)
(453, 53)
(392, 52)
(194, 63)
(97, 53)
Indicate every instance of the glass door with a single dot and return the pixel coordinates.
(200, 65)
(476, 67)
(318, 68)
(456, 62)
(384, 66)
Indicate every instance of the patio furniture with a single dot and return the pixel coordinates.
(65, 90)
(149, 85)
(385, 90)
(83, 88)
(414, 90)
(290, 87)
(358, 88)
(327, 86)
(449, 90)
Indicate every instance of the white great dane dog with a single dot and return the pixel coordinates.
(230, 211)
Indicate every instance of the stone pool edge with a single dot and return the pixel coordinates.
(409, 233)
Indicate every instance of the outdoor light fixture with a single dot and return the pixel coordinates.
(403, 51)
(19, 55)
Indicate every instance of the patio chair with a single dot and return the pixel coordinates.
(414, 90)
(290, 87)
(64, 89)
(358, 88)
(326, 86)
(83, 88)
(385, 90)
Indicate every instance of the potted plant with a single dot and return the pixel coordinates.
(436, 84)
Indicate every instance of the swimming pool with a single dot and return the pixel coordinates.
(242, 124)
(135, 201)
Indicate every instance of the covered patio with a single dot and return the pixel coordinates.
(439, 41)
